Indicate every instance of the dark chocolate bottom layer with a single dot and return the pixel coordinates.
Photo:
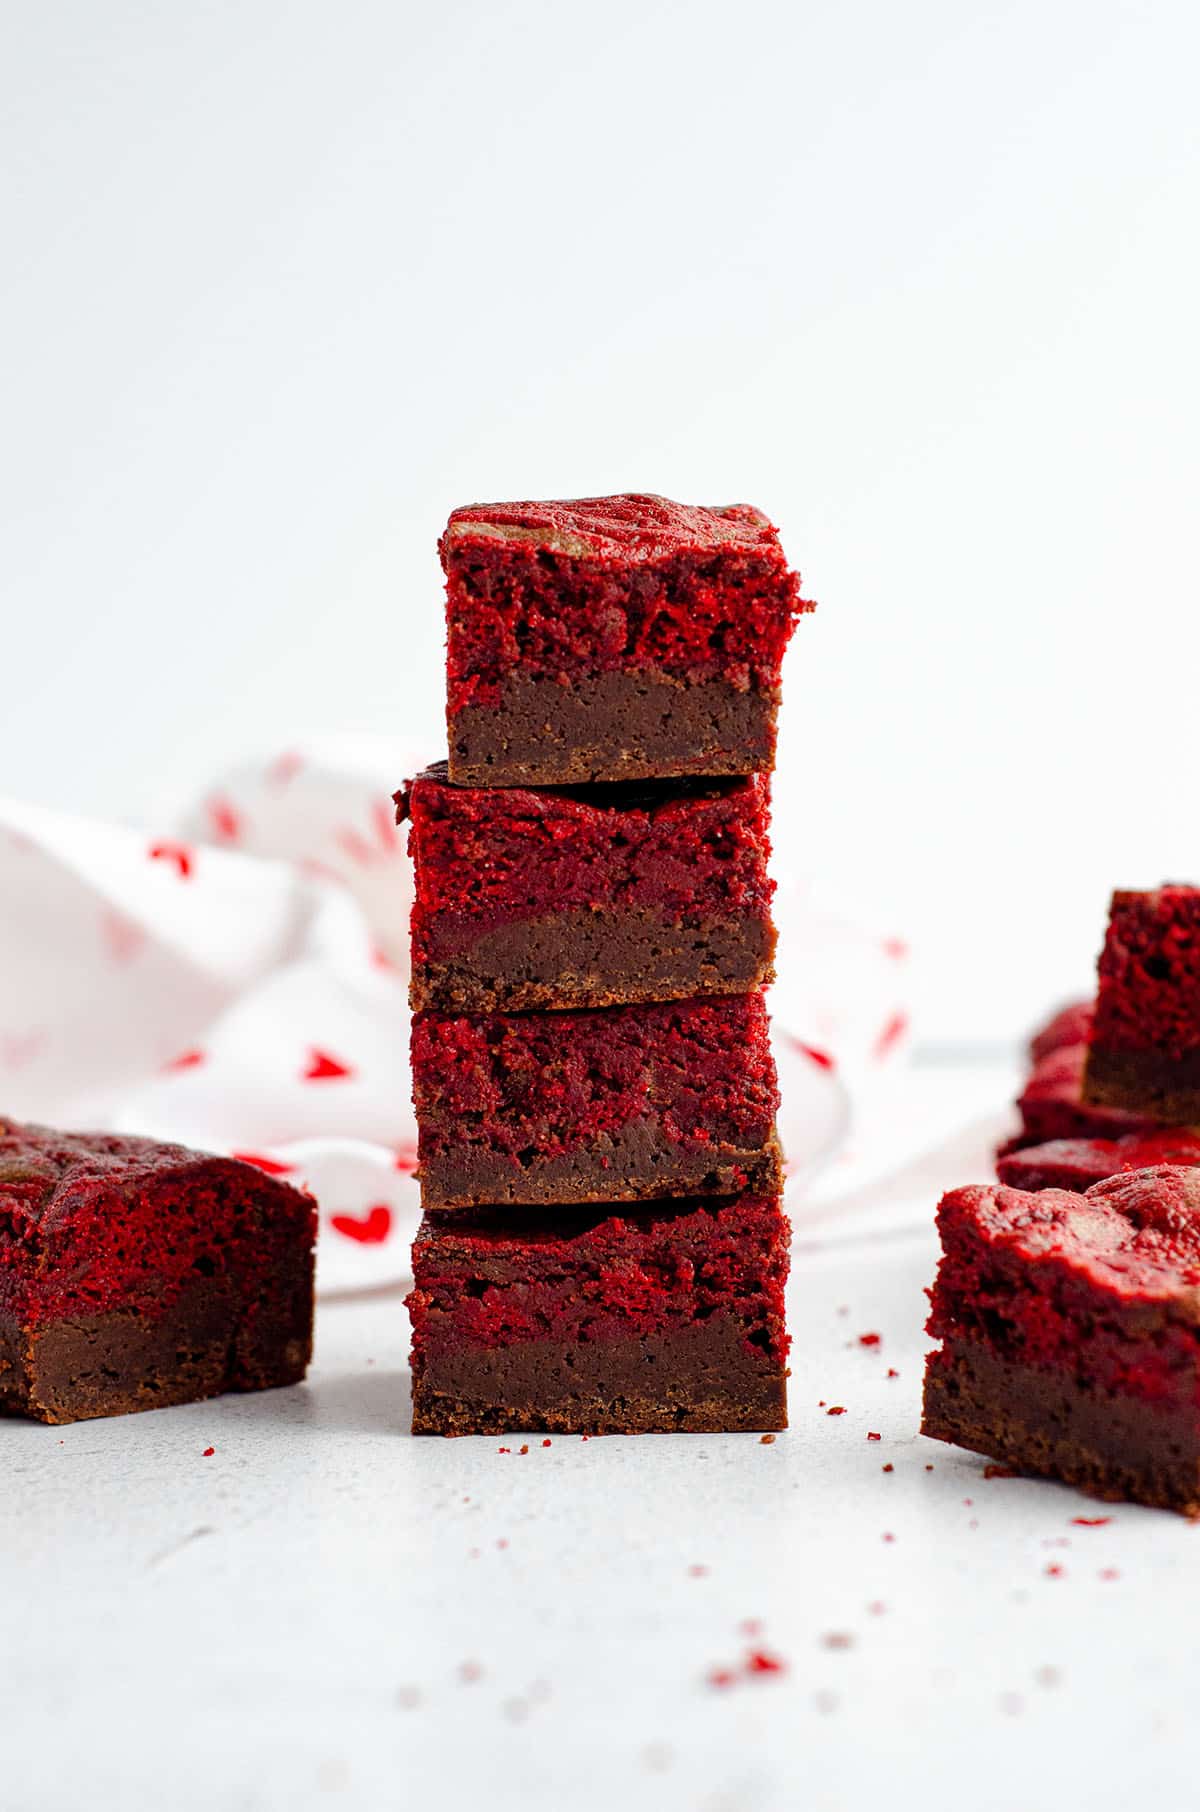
(116, 1363)
(703, 1378)
(1145, 1082)
(1116, 1448)
(585, 958)
(611, 726)
(639, 1164)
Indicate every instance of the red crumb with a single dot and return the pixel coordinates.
(766, 1439)
(892, 1372)
(1000, 1472)
(224, 818)
(722, 1677)
(1055, 1571)
(968, 1501)
(837, 1410)
(469, 1672)
(837, 1639)
(888, 1536)
(1108, 1573)
(546, 1442)
(271, 1167)
(877, 1608)
(874, 1437)
(869, 1339)
(524, 1449)
(751, 1626)
(177, 853)
(929, 1465)
(186, 1060)
(697, 1571)
(503, 1542)
(821, 1058)
(1090, 1522)
(760, 1661)
(504, 1450)
(321, 1067)
(888, 1468)
(208, 1453)
(891, 1034)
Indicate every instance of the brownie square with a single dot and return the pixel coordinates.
(601, 1321)
(134, 1275)
(1078, 1163)
(617, 1104)
(1052, 1105)
(612, 638)
(587, 897)
(1070, 1331)
(1145, 1047)
(1070, 1025)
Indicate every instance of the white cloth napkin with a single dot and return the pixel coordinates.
(236, 979)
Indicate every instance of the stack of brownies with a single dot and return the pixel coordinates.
(603, 1247)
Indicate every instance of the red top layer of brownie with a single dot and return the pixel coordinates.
(559, 590)
(90, 1221)
(559, 1081)
(490, 855)
(604, 1275)
(1133, 1238)
(1078, 1163)
(1149, 998)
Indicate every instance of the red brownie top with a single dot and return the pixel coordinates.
(493, 855)
(1149, 998)
(95, 1220)
(601, 1272)
(1135, 1237)
(1072, 1024)
(562, 591)
(635, 527)
(557, 1082)
(1078, 1163)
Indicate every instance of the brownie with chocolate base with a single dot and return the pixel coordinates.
(613, 638)
(587, 897)
(1144, 1054)
(135, 1275)
(1069, 1025)
(1078, 1163)
(615, 1104)
(1052, 1105)
(603, 1320)
(1070, 1333)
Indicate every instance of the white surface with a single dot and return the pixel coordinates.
(285, 1625)
(285, 281)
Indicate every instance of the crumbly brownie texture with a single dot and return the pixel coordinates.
(1072, 1024)
(1070, 1330)
(623, 1103)
(1078, 1163)
(612, 638)
(593, 897)
(1145, 1047)
(663, 1319)
(133, 1275)
(1052, 1106)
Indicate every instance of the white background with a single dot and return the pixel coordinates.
(283, 283)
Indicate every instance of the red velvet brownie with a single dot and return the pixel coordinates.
(1052, 1106)
(133, 1275)
(602, 1321)
(1078, 1163)
(612, 638)
(619, 1104)
(1072, 1024)
(1070, 1330)
(588, 897)
(1145, 1048)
